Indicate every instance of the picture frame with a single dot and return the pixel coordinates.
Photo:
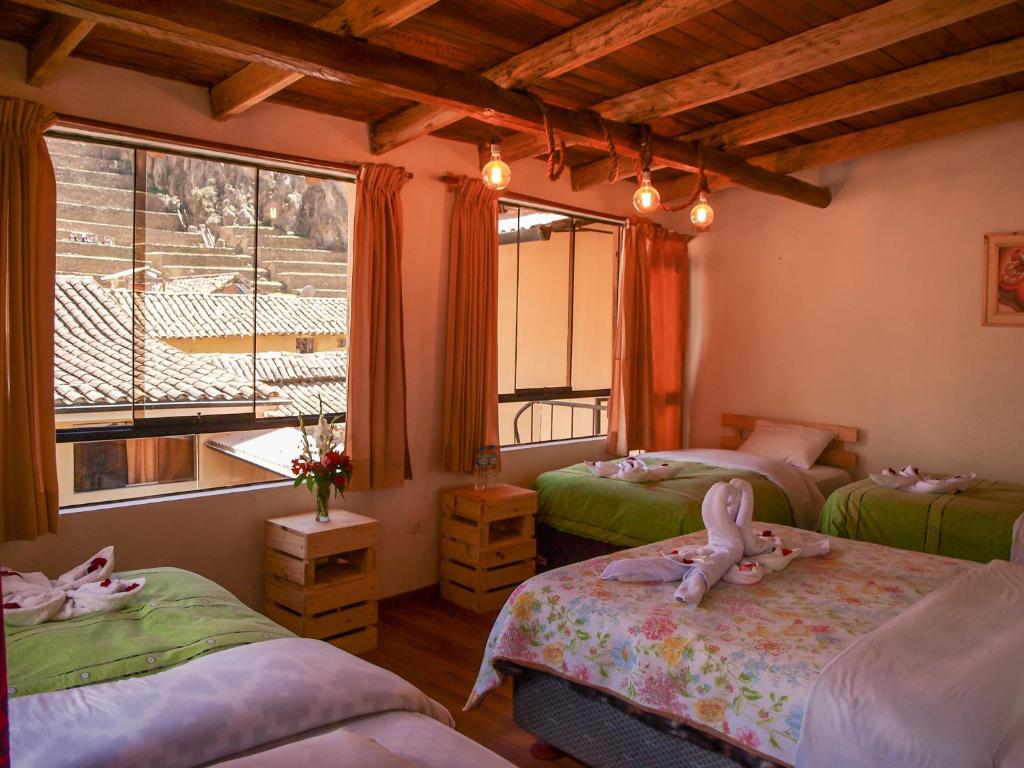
(1004, 279)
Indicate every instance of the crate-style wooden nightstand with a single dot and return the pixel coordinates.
(487, 544)
(321, 578)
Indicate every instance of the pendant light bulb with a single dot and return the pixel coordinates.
(646, 198)
(702, 214)
(496, 173)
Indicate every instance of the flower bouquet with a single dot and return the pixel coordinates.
(329, 469)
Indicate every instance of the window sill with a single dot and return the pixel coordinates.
(546, 443)
(172, 497)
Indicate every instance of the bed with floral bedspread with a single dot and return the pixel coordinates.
(741, 665)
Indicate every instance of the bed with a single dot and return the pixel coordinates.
(605, 670)
(187, 675)
(581, 516)
(982, 523)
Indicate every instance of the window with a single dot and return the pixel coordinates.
(201, 306)
(556, 304)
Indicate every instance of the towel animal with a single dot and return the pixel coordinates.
(909, 478)
(633, 470)
(31, 598)
(737, 551)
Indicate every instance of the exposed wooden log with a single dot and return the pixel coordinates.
(256, 82)
(936, 125)
(857, 98)
(520, 146)
(231, 30)
(59, 38)
(850, 36)
(577, 46)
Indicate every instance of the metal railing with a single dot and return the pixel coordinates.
(598, 407)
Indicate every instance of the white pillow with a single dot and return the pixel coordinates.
(792, 443)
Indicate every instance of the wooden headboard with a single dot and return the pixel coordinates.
(836, 453)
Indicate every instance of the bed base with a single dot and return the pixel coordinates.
(556, 548)
(605, 732)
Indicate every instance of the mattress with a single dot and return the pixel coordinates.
(978, 524)
(572, 500)
(178, 616)
(741, 665)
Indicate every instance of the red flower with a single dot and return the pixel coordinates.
(96, 564)
(11, 606)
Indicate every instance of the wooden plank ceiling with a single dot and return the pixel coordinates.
(784, 83)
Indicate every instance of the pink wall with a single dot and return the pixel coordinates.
(221, 536)
(869, 313)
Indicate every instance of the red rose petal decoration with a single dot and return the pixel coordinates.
(11, 606)
(786, 552)
(105, 583)
(96, 564)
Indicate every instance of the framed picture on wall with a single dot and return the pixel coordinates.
(1004, 279)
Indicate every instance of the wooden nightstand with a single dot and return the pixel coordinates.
(487, 544)
(321, 578)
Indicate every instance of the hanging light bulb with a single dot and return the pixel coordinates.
(646, 197)
(702, 214)
(496, 173)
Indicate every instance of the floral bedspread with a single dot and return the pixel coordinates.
(740, 665)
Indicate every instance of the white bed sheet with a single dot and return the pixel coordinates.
(828, 479)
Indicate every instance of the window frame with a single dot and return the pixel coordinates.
(540, 394)
(76, 129)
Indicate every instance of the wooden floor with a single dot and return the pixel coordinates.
(438, 647)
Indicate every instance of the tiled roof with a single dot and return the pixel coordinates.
(302, 379)
(212, 315)
(93, 358)
(201, 283)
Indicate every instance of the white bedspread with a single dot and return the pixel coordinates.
(939, 685)
(804, 497)
(211, 708)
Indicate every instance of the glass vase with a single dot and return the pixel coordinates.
(323, 498)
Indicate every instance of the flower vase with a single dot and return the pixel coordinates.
(323, 497)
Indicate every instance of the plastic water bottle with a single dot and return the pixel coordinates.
(485, 468)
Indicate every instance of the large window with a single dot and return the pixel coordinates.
(556, 304)
(201, 306)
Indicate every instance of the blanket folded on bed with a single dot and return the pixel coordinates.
(31, 598)
(213, 707)
(938, 685)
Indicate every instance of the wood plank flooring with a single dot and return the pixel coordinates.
(438, 647)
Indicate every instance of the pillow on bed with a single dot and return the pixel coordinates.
(792, 443)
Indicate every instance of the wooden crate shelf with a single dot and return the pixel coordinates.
(321, 578)
(487, 544)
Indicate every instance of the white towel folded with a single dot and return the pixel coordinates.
(633, 470)
(31, 598)
(910, 478)
(726, 556)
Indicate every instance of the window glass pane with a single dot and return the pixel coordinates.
(92, 340)
(556, 303)
(542, 335)
(593, 304)
(190, 285)
(193, 293)
(305, 225)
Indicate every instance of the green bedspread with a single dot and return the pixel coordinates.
(627, 514)
(974, 525)
(178, 616)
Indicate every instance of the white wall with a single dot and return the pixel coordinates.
(869, 313)
(221, 536)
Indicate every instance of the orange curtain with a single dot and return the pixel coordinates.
(471, 348)
(375, 432)
(28, 220)
(646, 410)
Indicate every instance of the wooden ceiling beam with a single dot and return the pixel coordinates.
(845, 38)
(573, 48)
(60, 36)
(857, 98)
(935, 125)
(231, 30)
(255, 83)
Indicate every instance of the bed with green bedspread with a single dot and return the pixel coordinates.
(977, 524)
(572, 500)
(178, 616)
